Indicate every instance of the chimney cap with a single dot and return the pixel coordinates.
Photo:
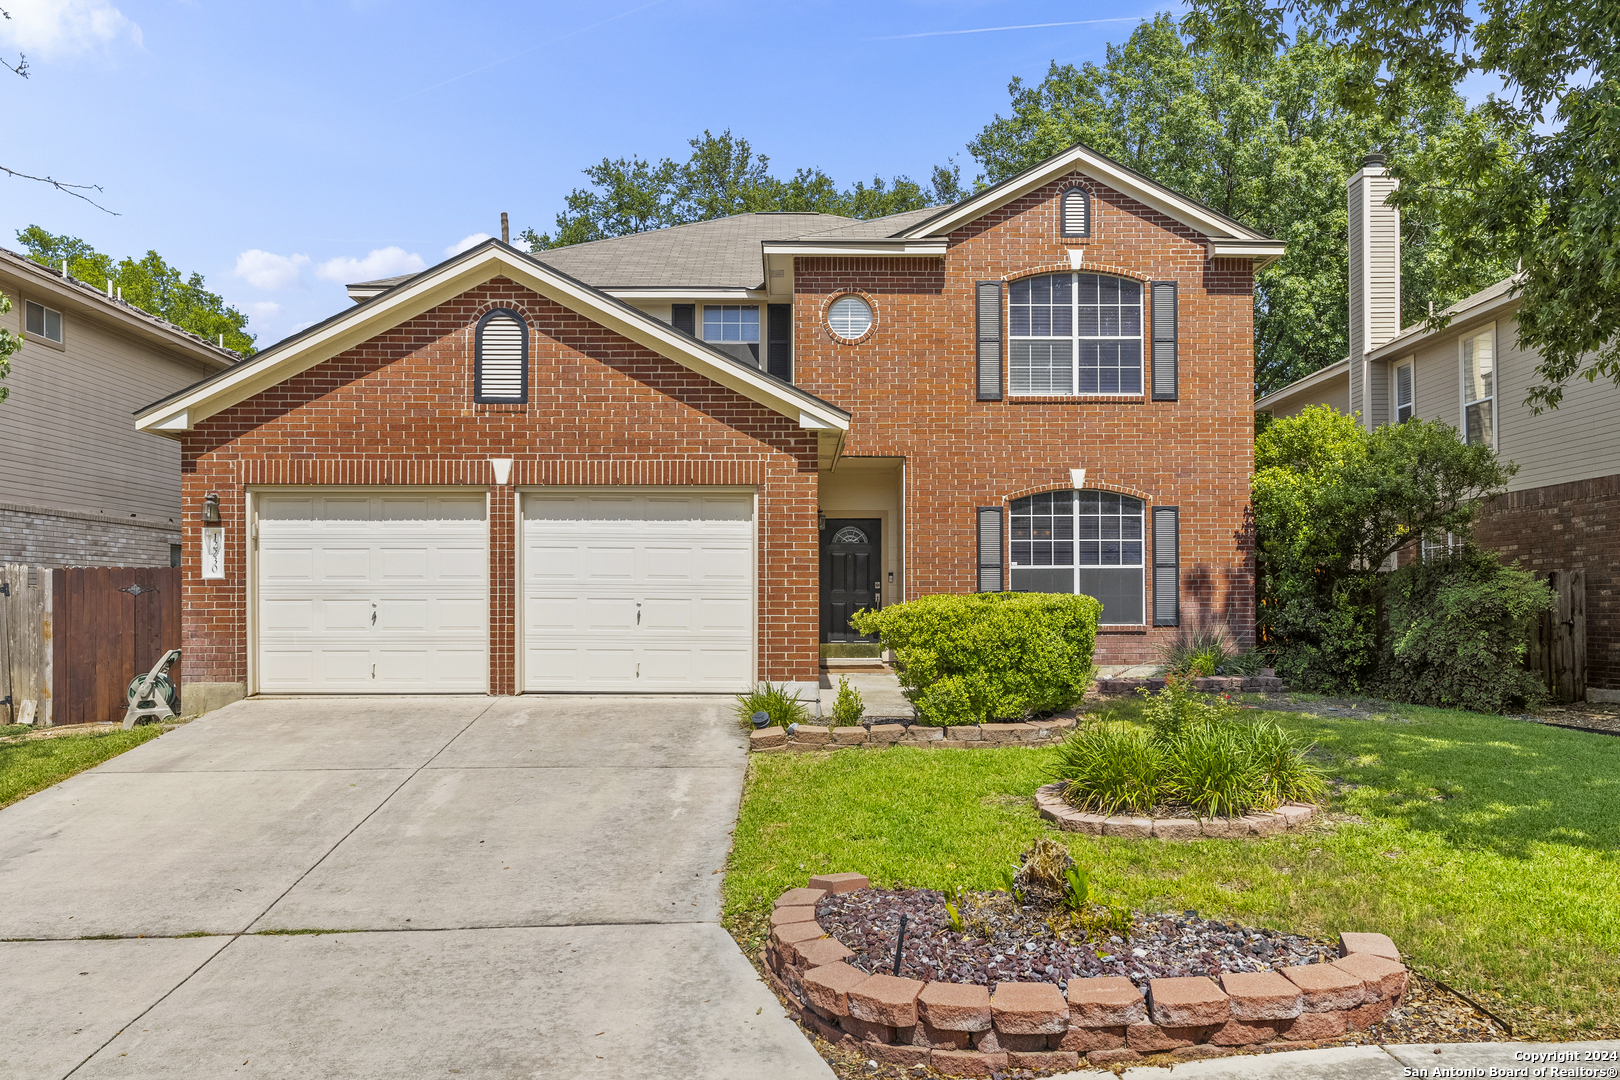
(1372, 160)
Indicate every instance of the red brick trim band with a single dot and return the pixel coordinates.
(961, 1029)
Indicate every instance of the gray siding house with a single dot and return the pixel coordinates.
(80, 486)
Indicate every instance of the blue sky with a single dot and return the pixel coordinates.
(283, 149)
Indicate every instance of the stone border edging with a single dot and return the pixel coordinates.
(960, 737)
(961, 1029)
(1050, 803)
(1230, 684)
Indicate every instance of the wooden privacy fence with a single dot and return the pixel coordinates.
(77, 636)
(1558, 638)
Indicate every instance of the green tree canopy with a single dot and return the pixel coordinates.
(1266, 142)
(149, 283)
(723, 176)
(1537, 182)
(9, 343)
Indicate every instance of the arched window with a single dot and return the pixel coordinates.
(1087, 542)
(1076, 212)
(501, 359)
(1075, 334)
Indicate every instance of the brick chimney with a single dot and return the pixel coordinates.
(1375, 286)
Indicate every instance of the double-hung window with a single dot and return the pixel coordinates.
(1403, 392)
(1479, 387)
(734, 329)
(1075, 334)
(1087, 542)
(42, 322)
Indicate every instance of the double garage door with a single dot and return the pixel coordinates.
(377, 592)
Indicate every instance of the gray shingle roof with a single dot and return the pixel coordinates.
(876, 228)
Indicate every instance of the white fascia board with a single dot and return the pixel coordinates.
(1262, 252)
(1160, 199)
(1337, 370)
(407, 301)
(1460, 320)
(887, 248)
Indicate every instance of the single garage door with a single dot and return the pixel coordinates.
(638, 592)
(373, 593)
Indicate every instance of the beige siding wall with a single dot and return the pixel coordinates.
(1579, 440)
(1336, 394)
(67, 432)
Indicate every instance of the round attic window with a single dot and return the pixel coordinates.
(849, 317)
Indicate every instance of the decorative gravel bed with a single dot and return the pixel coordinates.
(1003, 941)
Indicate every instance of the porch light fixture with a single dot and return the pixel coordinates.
(210, 509)
(821, 520)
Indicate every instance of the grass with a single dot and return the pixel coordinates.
(36, 764)
(1486, 847)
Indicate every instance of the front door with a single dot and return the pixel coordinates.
(851, 574)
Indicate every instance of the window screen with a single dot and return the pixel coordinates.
(1075, 334)
(1086, 542)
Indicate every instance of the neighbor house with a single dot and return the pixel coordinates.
(678, 461)
(1562, 510)
(81, 486)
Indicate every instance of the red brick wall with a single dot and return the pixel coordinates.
(1574, 526)
(911, 387)
(399, 409)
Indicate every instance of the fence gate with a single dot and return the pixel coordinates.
(1558, 638)
(25, 645)
(112, 623)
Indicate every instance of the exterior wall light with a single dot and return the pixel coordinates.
(821, 520)
(210, 509)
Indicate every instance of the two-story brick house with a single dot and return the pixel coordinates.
(678, 461)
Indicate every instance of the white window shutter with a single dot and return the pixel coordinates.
(502, 360)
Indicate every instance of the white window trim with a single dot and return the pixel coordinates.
(61, 322)
(703, 323)
(1395, 390)
(1075, 339)
(1141, 565)
(1462, 385)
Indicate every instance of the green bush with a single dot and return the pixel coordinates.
(1195, 753)
(775, 702)
(984, 656)
(1196, 651)
(1458, 631)
(848, 708)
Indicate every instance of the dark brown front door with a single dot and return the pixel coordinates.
(851, 574)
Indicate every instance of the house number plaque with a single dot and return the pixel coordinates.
(213, 554)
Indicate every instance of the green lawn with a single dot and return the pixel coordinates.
(36, 764)
(1486, 847)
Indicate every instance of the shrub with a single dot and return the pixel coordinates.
(1195, 753)
(967, 659)
(1196, 651)
(1112, 767)
(1247, 662)
(848, 708)
(775, 702)
(1458, 631)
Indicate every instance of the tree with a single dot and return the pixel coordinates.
(1549, 197)
(149, 283)
(1332, 503)
(9, 343)
(723, 176)
(1268, 143)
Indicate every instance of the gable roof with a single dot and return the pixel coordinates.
(182, 411)
(137, 322)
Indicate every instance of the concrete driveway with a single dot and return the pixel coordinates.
(527, 887)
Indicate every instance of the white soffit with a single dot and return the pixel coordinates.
(446, 281)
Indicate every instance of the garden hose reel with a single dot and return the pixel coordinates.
(153, 695)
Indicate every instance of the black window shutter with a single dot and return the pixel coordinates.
(988, 521)
(1166, 566)
(989, 341)
(684, 317)
(1165, 387)
(779, 340)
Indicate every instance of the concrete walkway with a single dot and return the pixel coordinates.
(531, 887)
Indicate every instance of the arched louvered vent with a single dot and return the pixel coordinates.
(1076, 212)
(502, 361)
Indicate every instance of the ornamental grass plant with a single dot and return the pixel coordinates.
(1195, 755)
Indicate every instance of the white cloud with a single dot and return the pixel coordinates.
(381, 263)
(467, 242)
(267, 270)
(263, 309)
(64, 27)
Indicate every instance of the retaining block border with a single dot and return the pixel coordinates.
(1050, 803)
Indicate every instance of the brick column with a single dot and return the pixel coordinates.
(502, 592)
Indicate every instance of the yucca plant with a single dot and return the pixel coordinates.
(775, 702)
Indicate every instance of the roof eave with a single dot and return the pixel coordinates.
(1421, 334)
(1337, 369)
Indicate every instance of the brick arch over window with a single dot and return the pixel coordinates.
(1059, 485)
(1092, 541)
(1084, 268)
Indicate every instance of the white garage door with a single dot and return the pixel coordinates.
(373, 593)
(628, 592)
